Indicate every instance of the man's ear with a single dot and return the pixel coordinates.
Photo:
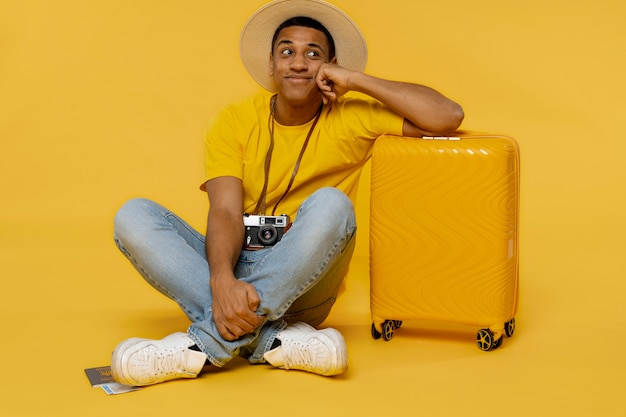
(334, 60)
(271, 67)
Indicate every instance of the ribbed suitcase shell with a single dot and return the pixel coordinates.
(444, 233)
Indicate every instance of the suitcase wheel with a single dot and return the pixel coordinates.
(485, 340)
(388, 328)
(509, 327)
(375, 333)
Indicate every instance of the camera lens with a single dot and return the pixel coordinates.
(267, 235)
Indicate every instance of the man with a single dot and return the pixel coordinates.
(297, 152)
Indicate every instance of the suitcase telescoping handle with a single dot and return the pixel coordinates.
(464, 134)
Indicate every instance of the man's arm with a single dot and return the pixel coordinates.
(426, 111)
(234, 301)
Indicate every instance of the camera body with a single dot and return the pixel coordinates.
(264, 231)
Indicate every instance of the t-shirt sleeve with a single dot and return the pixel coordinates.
(223, 154)
(370, 116)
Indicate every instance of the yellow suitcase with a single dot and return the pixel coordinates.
(444, 233)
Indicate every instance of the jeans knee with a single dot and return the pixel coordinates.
(333, 201)
(128, 218)
(332, 208)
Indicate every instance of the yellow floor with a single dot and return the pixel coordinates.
(69, 304)
(101, 101)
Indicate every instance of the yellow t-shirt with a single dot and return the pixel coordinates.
(238, 139)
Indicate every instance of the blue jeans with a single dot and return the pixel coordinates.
(297, 279)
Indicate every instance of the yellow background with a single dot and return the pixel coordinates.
(101, 101)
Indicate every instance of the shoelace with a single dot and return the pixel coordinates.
(169, 362)
(302, 355)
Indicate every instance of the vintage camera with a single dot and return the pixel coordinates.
(263, 231)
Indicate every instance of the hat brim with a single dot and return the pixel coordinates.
(255, 43)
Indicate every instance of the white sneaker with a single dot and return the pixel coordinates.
(304, 348)
(145, 362)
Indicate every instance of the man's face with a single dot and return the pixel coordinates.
(297, 55)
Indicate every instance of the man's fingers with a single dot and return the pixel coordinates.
(253, 299)
(240, 325)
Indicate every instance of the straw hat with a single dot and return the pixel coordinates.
(255, 43)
